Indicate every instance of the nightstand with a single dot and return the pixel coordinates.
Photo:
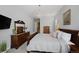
(74, 49)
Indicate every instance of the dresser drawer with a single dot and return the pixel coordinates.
(18, 39)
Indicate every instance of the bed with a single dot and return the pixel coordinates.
(45, 43)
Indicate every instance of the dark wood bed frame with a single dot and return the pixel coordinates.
(30, 37)
(74, 36)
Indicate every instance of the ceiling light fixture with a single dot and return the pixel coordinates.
(39, 5)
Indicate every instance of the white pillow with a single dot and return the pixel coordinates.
(66, 36)
(59, 35)
(54, 34)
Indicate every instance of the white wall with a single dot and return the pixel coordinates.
(47, 20)
(74, 17)
(15, 13)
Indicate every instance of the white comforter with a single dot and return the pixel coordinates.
(45, 42)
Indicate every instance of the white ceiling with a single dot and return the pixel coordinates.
(35, 10)
(32, 10)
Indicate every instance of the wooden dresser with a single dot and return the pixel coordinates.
(18, 39)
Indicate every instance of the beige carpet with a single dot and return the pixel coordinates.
(21, 49)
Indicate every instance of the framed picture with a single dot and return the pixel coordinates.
(67, 17)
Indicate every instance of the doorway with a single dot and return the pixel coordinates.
(37, 25)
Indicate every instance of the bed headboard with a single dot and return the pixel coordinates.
(74, 35)
(46, 29)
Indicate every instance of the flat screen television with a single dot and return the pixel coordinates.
(5, 22)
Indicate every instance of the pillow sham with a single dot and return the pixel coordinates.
(66, 36)
(54, 34)
(59, 33)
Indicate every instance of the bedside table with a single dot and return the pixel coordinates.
(74, 49)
